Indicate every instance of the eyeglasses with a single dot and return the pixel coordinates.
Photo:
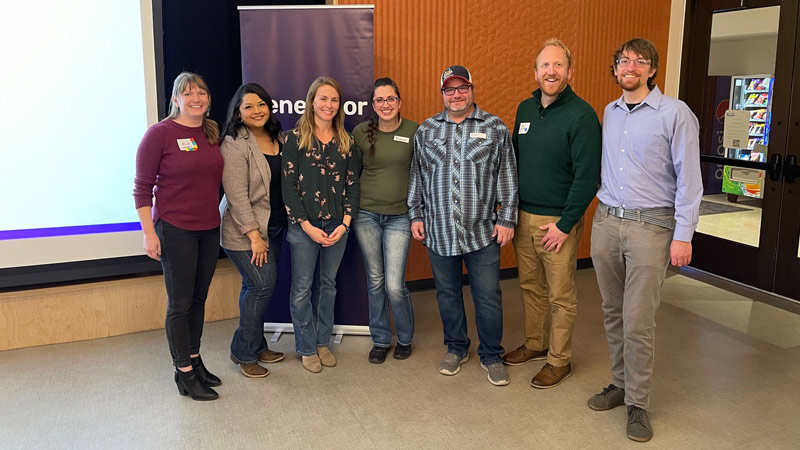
(463, 89)
(639, 62)
(380, 100)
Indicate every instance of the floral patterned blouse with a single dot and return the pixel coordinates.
(319, 183)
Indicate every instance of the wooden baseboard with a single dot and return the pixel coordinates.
(87, 311)
(96, 310)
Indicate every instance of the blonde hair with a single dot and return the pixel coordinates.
(188, 80)
(306, 125)
(556, 42)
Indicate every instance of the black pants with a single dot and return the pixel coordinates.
(188, 259)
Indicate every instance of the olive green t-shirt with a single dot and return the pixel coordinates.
(384, 177)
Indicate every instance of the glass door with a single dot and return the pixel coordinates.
(787, 261)
(738, 77)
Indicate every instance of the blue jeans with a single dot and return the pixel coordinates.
(188, 259)
(384, 241)
(313, 290)
(258, 284)
(483, 269)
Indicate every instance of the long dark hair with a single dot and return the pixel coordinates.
(233, 122)
(372, 128)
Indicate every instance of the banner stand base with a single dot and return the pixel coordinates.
(338, 330)
(275, 336)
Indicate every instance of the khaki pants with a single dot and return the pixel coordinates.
(547, 279)
(630, 260)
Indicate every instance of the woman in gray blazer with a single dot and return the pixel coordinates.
(253, 217)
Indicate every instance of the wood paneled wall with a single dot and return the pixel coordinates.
(497, 41)
(414, 41)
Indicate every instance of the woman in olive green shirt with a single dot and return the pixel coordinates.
(382, 228)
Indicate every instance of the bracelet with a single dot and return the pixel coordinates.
(346, 227)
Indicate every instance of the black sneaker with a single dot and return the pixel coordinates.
(402, 351)
(639, 428)
(378, 354)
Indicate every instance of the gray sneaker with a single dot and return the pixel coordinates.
(451, 363)
(498, 375)
(639, 428)
(611, 397)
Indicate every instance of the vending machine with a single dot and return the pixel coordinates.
(751, 93)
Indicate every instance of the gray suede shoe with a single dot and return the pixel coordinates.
(611, 397)
(639, 428)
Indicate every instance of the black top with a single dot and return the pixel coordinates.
(277, 215)
(631, 106)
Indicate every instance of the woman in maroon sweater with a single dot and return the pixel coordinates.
(179, 162)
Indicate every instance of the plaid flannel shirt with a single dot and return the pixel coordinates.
(488, 178)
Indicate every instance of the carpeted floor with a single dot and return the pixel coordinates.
(727, 372)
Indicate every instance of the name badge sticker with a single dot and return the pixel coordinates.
(478, 135)
(524, 127)
(187, 145)
(402, 139)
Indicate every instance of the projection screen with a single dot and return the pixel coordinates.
(78, 91)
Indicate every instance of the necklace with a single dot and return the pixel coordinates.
(267, 145)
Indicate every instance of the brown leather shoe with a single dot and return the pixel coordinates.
(522, 355)
(268, 356)
(551, 376)
(253, 370)
(326, 357)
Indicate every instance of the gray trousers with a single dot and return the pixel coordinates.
(630, 260)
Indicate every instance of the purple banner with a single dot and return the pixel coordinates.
(284, 49)
(69, 231)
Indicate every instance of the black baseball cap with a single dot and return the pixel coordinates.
(456, 72)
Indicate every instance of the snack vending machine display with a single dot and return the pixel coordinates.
(753, 94)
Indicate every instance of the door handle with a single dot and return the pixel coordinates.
(791, 170)
(774, 169)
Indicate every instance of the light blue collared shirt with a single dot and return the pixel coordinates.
(651, 159)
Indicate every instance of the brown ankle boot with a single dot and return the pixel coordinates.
(312, 363)
(326, 357)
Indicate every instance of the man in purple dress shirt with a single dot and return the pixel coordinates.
(649, 206)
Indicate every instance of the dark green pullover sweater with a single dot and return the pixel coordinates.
(558, 157)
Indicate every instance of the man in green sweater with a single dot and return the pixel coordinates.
(557, 142)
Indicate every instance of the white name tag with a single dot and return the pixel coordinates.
(187, 145)
(524, 127)
(478, 135)
(401, 139)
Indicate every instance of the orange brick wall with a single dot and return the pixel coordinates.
(497, 41)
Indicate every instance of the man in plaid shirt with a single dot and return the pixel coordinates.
(462, 200)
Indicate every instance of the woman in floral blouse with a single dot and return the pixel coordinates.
(320, 189)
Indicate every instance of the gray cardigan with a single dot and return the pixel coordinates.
(245, 179)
